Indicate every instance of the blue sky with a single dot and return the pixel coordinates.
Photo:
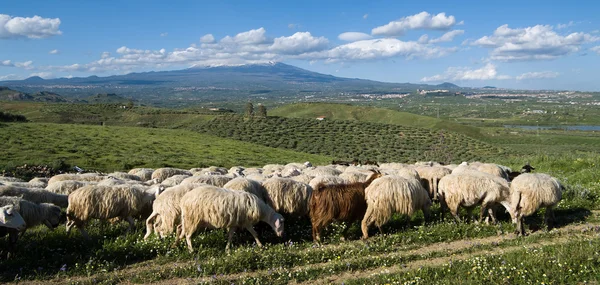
(514, 44)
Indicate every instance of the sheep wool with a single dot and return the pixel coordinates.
(66, 186)
(215, 180)
(163, 173)
(248, 185)
(35, 195)
(531, 191)
(288, 196)
(166, 213)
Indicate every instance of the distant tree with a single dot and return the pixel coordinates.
(262, 111)
(130, 104)
(249, 110)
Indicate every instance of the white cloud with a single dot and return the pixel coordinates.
(538, 75)
(294, 26)
(422, 20)
(54, 51)
(488, 72)
(564, 26)
(6, 63)
(539, 42)
(45, 75)
(250, 37)
(596, 49)
(164, 34)
(25, 65)
(354, 36)
(365, 16)
(105, 55)
(447, 37)
(298, 43)
(10, 77)
(34, 27)
(207, 39)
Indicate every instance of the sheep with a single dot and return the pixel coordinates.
(213, 207)
(488, 168)
(249, 171)
(300, 178)
(470, 188)
(323, 170)
(393, 194)
(38, 182)
(327, 180)
(124, 176)
(259, 177)
(354, 177)
(88, 177)
(248, 185)
(163, 173)
(144, 174)
(338, 202)
(531, 191)
(105, 202)
(166, 212)
(35, 195)
(216, 180)
(10, 218)
(66, 186)
(406, 172)
(392, 165)
(219, 170)
(174, 180)
(112, 181)
(430, 177)
(236, 170)
(10, 179)
(34, 214)
(288, 196)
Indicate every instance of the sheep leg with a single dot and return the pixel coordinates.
(253, 232)
(484, 208)
(520, 229)
(82, 231)
(131, 224)
(366, 222)
(492, 216)
(549, 218)
(150, 224)
(229, 238)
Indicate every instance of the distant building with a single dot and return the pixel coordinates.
(321, 118)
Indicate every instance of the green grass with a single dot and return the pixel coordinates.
(111, 148)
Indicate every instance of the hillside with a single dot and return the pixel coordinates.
(7, 94)
(369, 114)
(106, 98)
(352, 139)
(119, 148)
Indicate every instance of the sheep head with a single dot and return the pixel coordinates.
(53, 215)
(10, 218)
(278, 224)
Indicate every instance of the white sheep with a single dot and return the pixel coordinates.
(163, 173)
(124, 176)
(34, 214)
(215, 180)
(10, 218)
(531, 191)
(38, 182)
(300, 178)
(259, 177)
(252, 170)
(288, 196)
(488, 168)
(248, 185)
(89, 177)
(393, 194)
(144, 173)
(355, 176)
(166, 213)
(66, 186)
(471, 188)
(106, 202)
(174, 180)
(213, 207)
(327, 180)
(10, 179)
(322, 171)
(35, 195)
(430, 178)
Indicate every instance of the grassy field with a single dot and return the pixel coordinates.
(112, 148)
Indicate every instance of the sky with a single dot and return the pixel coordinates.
(511, 44)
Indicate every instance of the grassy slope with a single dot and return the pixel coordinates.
(120, 148)
(369, 114)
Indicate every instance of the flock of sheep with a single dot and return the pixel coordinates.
(179, 201)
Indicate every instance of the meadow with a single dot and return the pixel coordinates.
(412, 251)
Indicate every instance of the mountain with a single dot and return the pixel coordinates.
(7, 94)
(270, 80)
(447, 85)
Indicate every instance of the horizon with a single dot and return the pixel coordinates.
(522, 46)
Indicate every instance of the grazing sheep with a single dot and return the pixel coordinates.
(406, 172)
(327, 180)
(212, 207)
(470, 188)
(218, 170)
(174, 180)
(393, 194)
(430, 177)
(531, 191)
(488, 168)
(125, 176)
(144, 174)
(288, 196)
(253, 170)
(354, 177)
(88, 177)
(215, 180)
(236, 170)
(300, 178)
(35, 195)
(450, 166)
(163, 173)
(10, 218)
(339, 202)
(248, 185)
(10, 179)
(105, 202)
(290, 172)
(322, 171)
(34, 214)
(113, 181)
(258, 177)
(66, 186)
(166, 213)
(392, 165)
(38, 182)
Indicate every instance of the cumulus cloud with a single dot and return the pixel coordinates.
(34, 27)
(596, 49)
(257, 36)
(354, 36)
(564, 26)
(207, 39)
(538, 75)
(298, 43)
(54, 51)
(539, 42)
(488, 72)
(422, 20)
(447, 37)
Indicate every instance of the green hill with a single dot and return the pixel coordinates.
(121, 148)
(349, 139)
(7, 94)
(333, 111)
(106, 98)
